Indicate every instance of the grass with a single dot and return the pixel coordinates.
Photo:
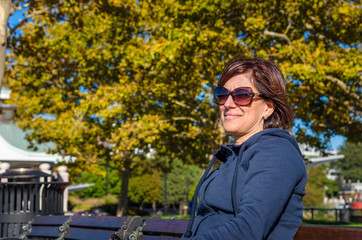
(108, 203)
(187, 217)
(92, 202)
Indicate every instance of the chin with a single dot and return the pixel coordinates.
(232, 130)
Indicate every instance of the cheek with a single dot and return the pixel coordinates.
(258, 111)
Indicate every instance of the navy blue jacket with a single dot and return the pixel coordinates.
(268, 176)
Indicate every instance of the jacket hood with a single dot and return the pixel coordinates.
(229, 150)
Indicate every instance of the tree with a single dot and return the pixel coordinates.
(315, 187)
(138, 75)
(351, 164)
(181, 180)
(98, 178)
(332, 188)
(93, 79)
(146, 188)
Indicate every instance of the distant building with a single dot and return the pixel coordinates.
(333, 174)
(352, 193)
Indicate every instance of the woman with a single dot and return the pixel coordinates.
(257, 192)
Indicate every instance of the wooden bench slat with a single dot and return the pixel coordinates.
(322, 232)
(49, 220)
(172, 226)
(87, 234)
(106, 222)
(150, 237)
(43, 231)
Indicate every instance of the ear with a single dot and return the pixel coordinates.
(270, 107)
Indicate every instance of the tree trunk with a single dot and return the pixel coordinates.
(154, 206)
(4, 15)
(141, 206)
(123, 196)
(181, 210)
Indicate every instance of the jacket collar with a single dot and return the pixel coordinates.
(225, 153)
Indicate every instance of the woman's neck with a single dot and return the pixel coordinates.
(241, 139)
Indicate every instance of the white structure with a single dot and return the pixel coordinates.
(13, 148)
(322, 160)
(9, 153)
(64, 175)
(314, 156)
(5, 93)
(12, 157)
(332, 174)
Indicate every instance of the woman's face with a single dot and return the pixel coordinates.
(243, 121)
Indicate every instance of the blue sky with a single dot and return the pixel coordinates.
(337, 142)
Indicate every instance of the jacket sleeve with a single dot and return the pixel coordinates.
(274, 171)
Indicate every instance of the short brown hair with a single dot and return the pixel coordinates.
(269, 81)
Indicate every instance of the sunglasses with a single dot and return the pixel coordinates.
(241, 96)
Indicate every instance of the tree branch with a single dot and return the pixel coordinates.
(342, 86)
(287, 29)
(279, 35)
(14, 9)
(180, 104)
(23, 21)
(30, 15)
(283, 36)
(180, 119)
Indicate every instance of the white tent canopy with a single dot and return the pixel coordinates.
(9, 153)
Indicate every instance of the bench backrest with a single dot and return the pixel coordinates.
(45, 227)
(89, 227)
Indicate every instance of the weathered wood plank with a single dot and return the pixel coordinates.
(168, 227)
(49, 220)
(150, 237)
(106, 222)
(87, 234)
(46, 226)
(43, 231)
(322, 232)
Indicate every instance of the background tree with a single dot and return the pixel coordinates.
(181, 181)
(111, 79)
(351, 164)
(315, 187)
(332, 188)
(146, 188)
(98, 178)
(108, 94)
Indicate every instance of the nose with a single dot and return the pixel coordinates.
(229, 103)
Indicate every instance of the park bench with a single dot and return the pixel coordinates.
(121, 228)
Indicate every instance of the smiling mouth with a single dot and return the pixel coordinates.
(231, 116)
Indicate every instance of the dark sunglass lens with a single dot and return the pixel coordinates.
(242, 96)
(221, 94)
(242, 99)
(221, 99)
